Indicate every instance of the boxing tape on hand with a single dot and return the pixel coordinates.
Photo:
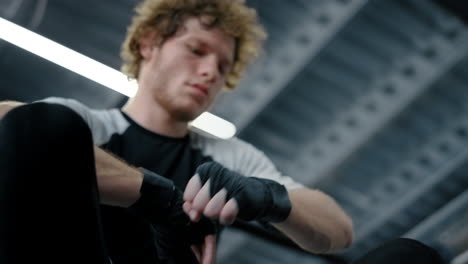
(161, 203)
(257, 199)
(173, 242)
(159, 199)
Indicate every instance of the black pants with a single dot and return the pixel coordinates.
(49, 203)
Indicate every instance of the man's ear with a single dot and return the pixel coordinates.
(147, 43)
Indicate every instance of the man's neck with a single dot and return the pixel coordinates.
(152, 116)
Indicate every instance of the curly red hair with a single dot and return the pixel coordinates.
(165, 17)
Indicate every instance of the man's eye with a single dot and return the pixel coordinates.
(198, 52)
(221, 69)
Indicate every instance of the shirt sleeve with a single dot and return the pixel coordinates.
(102, 123)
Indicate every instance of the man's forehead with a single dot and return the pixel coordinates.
(194, 25)
(193, 29)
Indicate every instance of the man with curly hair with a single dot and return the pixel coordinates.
(135, 185)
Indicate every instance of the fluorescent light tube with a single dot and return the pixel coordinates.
(97, 72)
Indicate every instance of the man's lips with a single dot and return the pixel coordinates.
(201, 87)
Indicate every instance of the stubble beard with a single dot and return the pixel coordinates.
(176, 110)
(183, 115)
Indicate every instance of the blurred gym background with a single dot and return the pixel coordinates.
(366, 100)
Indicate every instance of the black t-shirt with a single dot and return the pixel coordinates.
(172, 157)
(130, 239)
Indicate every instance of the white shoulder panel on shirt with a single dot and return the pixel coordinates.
(240, 156)
(103, 123)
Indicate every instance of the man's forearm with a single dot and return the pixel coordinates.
(316, 223)
(119, 184)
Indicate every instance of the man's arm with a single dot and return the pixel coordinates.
(119, 184)
(308, 217)
(316, 223)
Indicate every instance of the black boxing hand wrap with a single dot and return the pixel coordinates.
(173, 241)
(161, 203)
(258, 199)
(158, 197)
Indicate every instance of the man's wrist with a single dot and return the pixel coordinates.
(157, 196)
(280, 203)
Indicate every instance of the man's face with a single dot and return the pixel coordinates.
(185, 74)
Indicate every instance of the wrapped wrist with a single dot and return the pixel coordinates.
(157, 196)
(280, 204)
(257, 198)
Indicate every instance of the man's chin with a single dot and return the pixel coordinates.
(186, 115)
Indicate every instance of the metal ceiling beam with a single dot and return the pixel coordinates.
(439, 176)
(299, 46)
(441, 220)
(384, 102)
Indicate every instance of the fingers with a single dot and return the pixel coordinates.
(192, 188)
(197, 252)
(187, 206)
(208, 255)
(217, 208)
(229, 212)
(200, 201)
(210, 207)
(215, 205)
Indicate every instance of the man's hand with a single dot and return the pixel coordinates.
(206, 252)
(160, 203)
(192, 243)
(198, 202)
(219, 193)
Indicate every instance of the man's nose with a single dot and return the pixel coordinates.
(209, 69)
